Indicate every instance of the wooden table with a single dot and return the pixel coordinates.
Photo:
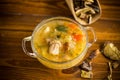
(18, 18)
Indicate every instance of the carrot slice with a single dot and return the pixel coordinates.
(77, 37)
(73, 26)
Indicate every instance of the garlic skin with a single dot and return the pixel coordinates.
(55, 47)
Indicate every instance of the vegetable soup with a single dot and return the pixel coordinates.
(59, 40)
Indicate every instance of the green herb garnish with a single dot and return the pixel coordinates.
(62, 28)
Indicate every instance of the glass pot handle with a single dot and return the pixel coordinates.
(94, 35)
(25, 49)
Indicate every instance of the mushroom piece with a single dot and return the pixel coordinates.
(111, 51)
(89, 2)
(54, 47)
(86, 65)
(85, 14)
(85, 10)
(110, 71)
(69, 45)
(82, 15)
(89, 19)
(87, 7)
(115, 64)
(86, 74)
(94, 54)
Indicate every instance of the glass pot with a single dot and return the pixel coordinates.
(53, 64)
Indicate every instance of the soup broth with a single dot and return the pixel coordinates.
(59, 40)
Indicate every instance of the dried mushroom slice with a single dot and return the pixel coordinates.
(86, 74)
(86, 65)
(94, 54)
(111, 51)
(110, 71)
(85, 11)
(115, 64)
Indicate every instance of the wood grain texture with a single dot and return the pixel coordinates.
(18, 18)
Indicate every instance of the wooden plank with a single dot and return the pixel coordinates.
(28, 22)
(110, 10)
(32, 7)
(23, 73)
(18, 18)
(9, 36)
(22, 62)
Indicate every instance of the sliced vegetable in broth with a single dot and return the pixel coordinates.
(59, 40)
(62, 28)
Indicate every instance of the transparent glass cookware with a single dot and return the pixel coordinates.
(54, 64)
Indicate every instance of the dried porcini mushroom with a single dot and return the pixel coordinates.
(115, 64)
(111, 51)
(85, 10)
(86, 74)
(86, 65)
(94, 54)
(110, 71)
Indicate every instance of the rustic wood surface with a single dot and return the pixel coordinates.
(18, 18)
